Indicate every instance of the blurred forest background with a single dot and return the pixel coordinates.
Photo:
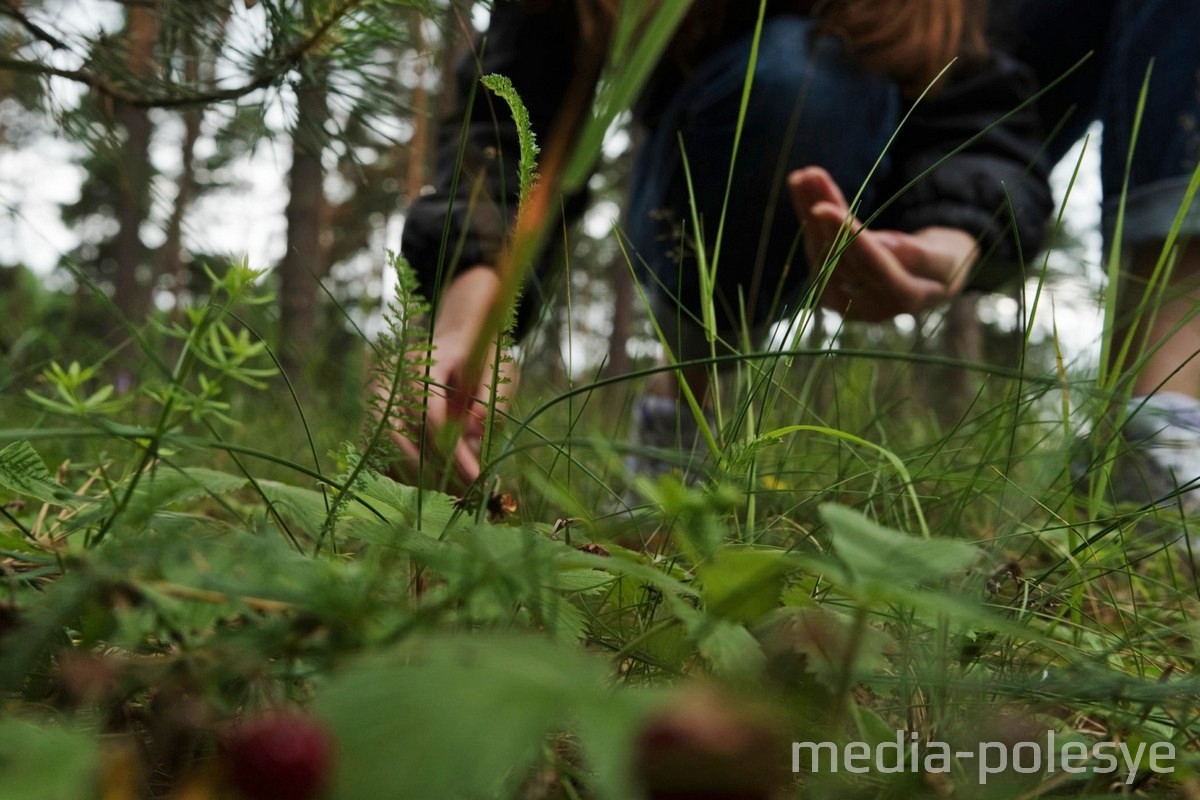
(177, 135)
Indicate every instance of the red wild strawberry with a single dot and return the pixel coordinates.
(710, 745)
(279, 756)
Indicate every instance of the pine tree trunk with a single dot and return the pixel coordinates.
(418, 146)
(172, 252)
(622, 317)
(303, 266)
(964, 341)
(133, 285)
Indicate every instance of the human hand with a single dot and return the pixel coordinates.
(879, 274)
(456, 408)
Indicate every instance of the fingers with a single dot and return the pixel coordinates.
(455, 405)
(909, 251)
(451, 433)
(864, 282)
(941, 253)
(453, 411)
(466, 460)
(455, 418)
(877, 275)
(812, 185)
(468, 408)
(826, 222)
(870, 285)
(463, 464)
(872, 281)
(822, 210)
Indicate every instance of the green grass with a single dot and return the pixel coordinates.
(871, 552)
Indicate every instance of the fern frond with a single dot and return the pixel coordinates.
(502, 87)
(401, 363)
(22, 471)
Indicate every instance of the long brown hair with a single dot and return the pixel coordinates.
(911, 41)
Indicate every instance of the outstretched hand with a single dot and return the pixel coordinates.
(457, 400)
(880, 273)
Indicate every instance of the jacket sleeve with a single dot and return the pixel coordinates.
(973, 156)
(462, 221)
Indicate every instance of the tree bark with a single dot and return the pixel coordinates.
(303, 265)
(418, 146)
(622, 317)
(172, 251)
(132, 285)
(964, 341)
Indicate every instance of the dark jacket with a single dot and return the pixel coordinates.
(995, 178)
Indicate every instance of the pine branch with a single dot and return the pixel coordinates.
(101, 84)
(38, 32)
(121, 94)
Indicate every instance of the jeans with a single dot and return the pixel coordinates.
(809, 105)
(1125, 36)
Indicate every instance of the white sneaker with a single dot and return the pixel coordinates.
(1163, 432)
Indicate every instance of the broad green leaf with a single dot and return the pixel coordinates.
(670, 647)
(587, 581)
(166, 485)
(240, 564)
(518, 556)
(874, 554)
(45, 763)
(14, 543)
(456, 717)
(23, 471)
(743, 585)
(563, 620)
(389, 534)
(825, 644)
(438, 511)
(628, 566)
(696, 516)
(872, 728)
(305, 507)
(730, 648)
